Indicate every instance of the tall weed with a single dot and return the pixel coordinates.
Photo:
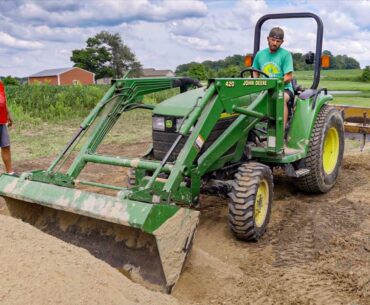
(41, 102)
(32, 103)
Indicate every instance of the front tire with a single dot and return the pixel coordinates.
(325, 154)
(250, 201)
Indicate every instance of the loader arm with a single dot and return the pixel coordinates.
(149, 240)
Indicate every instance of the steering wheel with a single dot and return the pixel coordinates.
(251, 70)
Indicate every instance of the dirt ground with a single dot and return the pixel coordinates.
(316, 251)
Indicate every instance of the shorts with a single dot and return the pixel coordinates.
(4, 136)
(290, 93)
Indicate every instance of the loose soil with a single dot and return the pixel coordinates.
(316, 251)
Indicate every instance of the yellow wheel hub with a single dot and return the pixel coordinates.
(261, 204)
(331, 150)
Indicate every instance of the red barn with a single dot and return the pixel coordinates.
(63, 76)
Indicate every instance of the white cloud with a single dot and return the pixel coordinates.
(198, 43)
(339, 24)
(247, 12)
(12, 42)
(108, 12)
(188, 26)
(357, 9)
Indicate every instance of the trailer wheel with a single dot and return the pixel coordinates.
(250, 201)
(325, 152)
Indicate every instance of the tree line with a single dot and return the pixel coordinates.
(232, 65)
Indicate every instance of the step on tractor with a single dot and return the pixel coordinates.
(223, 138)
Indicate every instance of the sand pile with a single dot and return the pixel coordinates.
(36, 268)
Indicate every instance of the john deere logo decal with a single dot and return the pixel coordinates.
(271, 69)
(169, 124)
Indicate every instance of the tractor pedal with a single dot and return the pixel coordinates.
(302, 172)
(291, 172)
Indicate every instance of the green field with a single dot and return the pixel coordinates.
(338, 85)
(339, 80)
(336, 75)
(362, 99)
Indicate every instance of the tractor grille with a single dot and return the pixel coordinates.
(163, 140)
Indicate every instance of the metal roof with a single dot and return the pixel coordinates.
(51, 72)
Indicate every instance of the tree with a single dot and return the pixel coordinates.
(183, 70)
(107, 56)
(198, 71)
(230, 71)
(9, 80)
(365, 77)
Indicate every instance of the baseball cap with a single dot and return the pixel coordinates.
(277, 33)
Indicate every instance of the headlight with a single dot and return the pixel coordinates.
(158, 123)
(179, 122)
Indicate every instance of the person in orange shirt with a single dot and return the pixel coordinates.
(5, 121)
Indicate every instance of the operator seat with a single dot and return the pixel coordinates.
(297, 89)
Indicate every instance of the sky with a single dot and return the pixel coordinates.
(40, 34)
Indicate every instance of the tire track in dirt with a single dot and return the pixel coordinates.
(293, 241)
(295, 253)
(304, 230)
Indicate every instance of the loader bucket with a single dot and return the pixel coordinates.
(148, 241)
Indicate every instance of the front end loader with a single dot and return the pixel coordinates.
(224, 138)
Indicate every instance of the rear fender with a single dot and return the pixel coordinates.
(303, 121)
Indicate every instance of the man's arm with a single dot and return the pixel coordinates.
(256, 65)
(288, 77)
(9, 116)
(255, 74)
(288, 68)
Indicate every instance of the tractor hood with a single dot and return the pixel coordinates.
(179, 105)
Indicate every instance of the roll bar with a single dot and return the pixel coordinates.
(319, 38)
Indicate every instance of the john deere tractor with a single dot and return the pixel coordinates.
(223, 138)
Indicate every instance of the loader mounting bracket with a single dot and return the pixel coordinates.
(50, 177)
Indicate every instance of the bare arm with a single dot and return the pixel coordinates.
(288, 77)
(10, 118)
(255, 74)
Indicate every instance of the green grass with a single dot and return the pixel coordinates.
(338, 85)
(357, 99)
(157, 97)
(29, 141)
(361, 99)
(49, 138)
(345, 75)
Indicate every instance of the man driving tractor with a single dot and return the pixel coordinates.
(276, 62)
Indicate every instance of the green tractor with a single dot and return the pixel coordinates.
(224, 138)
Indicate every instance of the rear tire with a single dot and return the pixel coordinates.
(250, 201)
(325, 153)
